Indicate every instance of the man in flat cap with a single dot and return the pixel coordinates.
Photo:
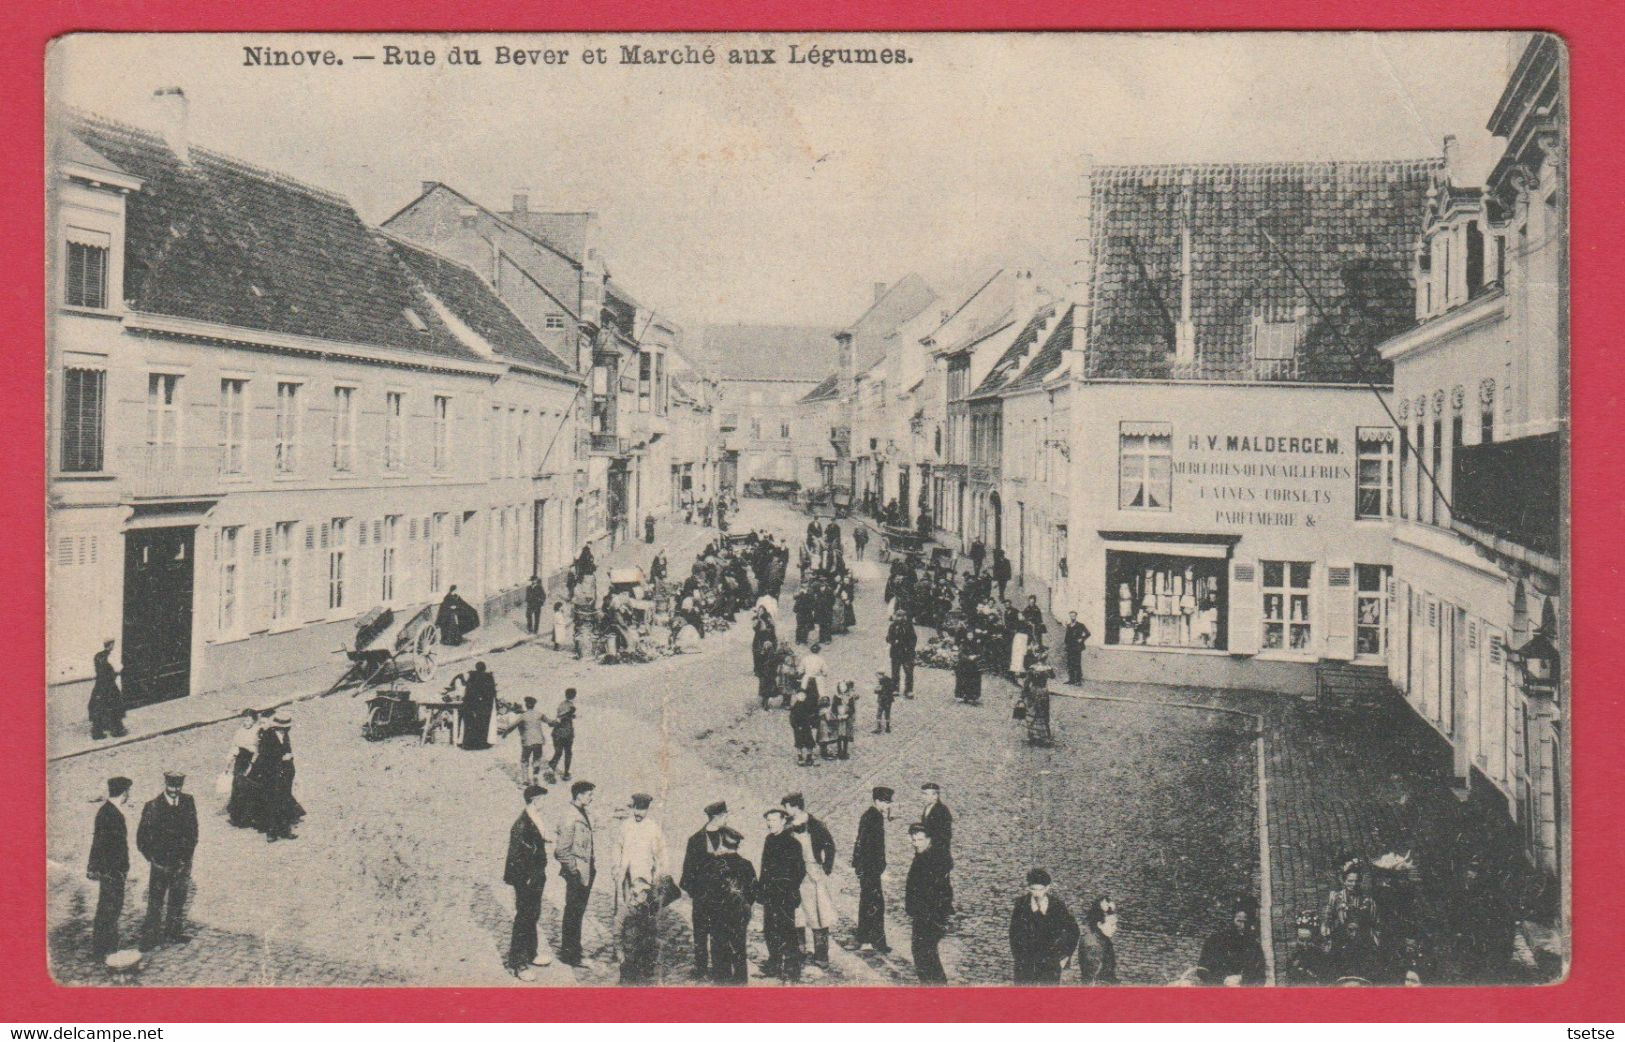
(783, 869)
(526, 872)
(1043, 933)
(166, 837)
(928, 900)
(638, 878)
(109, 866)
(817, 892)
(734, 892)
(869, 862)
(699, 862)
(579, 867)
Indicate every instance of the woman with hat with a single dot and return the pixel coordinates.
(271, 775)
(244, 744)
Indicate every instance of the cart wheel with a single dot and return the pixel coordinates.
(423, 667)
(428, 639)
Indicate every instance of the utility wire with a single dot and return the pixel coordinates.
(1360, 368)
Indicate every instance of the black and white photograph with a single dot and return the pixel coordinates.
(807, 510)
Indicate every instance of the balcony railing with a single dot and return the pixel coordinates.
(173, 471)
(1512, 490)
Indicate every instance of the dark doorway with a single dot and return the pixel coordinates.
(157, 652)
(728, 479)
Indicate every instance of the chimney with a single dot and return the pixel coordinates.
(880, 291)
(428, 186)
(521, 200)
(1449, 156)
(1185, 333)
(173, 119)
(1083, 275)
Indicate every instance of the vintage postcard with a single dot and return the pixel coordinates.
(807, 509)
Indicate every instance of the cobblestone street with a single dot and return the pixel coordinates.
(1149, 795)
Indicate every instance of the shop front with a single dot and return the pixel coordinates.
(1167, 596)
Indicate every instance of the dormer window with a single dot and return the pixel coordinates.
(1275, 347)
(88, 252)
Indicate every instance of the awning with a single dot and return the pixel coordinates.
(1136, 428)
(1169, 549)
(1172, 544)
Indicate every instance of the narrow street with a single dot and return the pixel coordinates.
(401, 854)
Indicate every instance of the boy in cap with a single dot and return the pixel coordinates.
(1043, 933)
(526, 872)
(733, 892)
(109, 866)
(697, 882)
(869, 862)
(166, 837)
(885, 695)
(783, 869)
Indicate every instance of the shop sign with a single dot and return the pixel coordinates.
(1266, 480)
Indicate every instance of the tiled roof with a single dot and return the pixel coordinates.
(767, 352)
(1006, 369)
(1049, 356)
(900, 303)
(824, 391)
(1348, 228)
(217, 240)
(476, 305)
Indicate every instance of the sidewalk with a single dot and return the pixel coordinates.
(67, 732)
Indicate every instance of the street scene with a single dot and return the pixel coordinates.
(1162, 588)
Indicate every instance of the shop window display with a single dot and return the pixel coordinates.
(1371, 609)
(1288, 621)
(1167, 601)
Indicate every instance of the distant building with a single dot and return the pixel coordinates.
(1479, 534)
(762, 372)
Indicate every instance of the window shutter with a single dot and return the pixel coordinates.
(1338, 610)
(310, 537)
(1242, 617)
(363, 537)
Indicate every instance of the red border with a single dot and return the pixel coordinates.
(1593, 32)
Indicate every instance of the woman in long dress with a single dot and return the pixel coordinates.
(479, 701)
(245, 743)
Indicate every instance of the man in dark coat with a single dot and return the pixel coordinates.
(526, 871)
(1033, 616)
(903, 641)
(733, 892)
(109, 866)
(1001, 571)
(455, 617)
(698, 882)
(106, 701)
(166, 837)
(779, 890)
(1232, 955)
(585, 565)
(977, 554)
(479, 701)
(1077, 636)
(869, 863)
(938, 821)
(928, 899)
(535, 601)
(1043, 933)
(1097, 952)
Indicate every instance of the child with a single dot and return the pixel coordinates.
(829, 717)
(885, 694)
(849, 714)
(561, 626)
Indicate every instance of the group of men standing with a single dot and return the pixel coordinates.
(166, 837)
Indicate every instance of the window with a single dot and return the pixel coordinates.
(394, 430)
(84, 397)
(338, 541)
(442, 431)
(1486, 412)
(494, 439)
(555, 320)
(646, 364)
(287, 428)
(1434, 513)
(784, 429)
(282, 572)
(1145, 466)
(1374, 473)
(437, 554)
(755, 426)
(1371, 609)
(1288, 623)
(389, 545)
(163, 416)
(1421, 477)
(661, 391)
(343, 428)
(516, 442)
(226, 586)
(87, 268)
(232, 418)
